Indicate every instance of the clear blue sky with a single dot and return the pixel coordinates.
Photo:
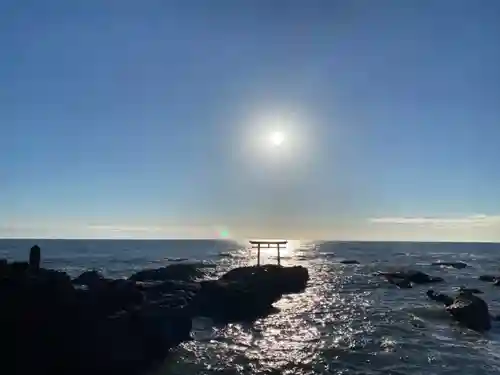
(140, 117)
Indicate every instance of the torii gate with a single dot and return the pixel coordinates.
(268, 245)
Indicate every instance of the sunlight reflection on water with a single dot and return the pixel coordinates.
(347, 322)
(291, 341)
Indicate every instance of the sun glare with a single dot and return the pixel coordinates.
(277, 138)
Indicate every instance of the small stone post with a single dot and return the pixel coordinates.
(279, 255)
(258, 254)
(35, 258)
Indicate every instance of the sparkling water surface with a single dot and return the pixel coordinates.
(348, 321)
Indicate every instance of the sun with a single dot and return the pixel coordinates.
(277, 138)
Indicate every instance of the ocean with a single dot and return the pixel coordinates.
(348, 321)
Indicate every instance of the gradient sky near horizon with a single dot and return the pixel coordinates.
(152, 119)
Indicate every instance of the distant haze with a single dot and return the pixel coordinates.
(357, 120)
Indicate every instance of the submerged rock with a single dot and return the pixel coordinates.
(457, 265)
(489, 278)
(400, 283)
(413, 276)
(470, 290)
(349, 261)
(466, 308)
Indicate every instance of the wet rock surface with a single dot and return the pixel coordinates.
(466, 308)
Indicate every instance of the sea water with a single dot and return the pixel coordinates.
(348, 321)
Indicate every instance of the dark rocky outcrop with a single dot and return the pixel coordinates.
(466, 308)
(457, 265)
(413, 276)
(123, 326)
(49, 326)
(283, 280)
(227, 301)
(242, 294)
(247, 293)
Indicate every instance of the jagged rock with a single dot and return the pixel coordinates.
(349, 261)
(466, 308)
(184, 272)
(413, 276)
(458, 265)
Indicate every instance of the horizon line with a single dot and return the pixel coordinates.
(239, 240)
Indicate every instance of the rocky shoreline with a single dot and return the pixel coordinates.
(53, 324)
